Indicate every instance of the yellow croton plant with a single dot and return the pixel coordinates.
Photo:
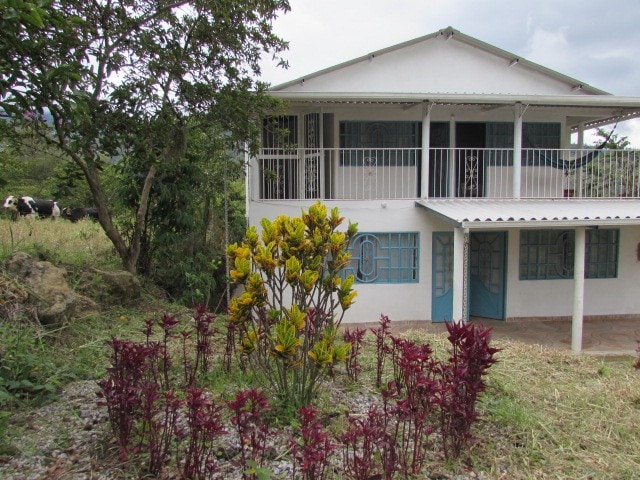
(294, 298)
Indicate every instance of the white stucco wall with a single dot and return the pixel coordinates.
(401, 302)
(524, 298)
(541, 298)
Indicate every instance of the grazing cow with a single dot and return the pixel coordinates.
(32, 207)
(76, 214)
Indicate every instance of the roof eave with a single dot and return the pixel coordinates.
(472, 98)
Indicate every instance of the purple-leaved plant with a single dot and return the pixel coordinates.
(461, 382)
(312, 452)
(382, 334)
(368, 451)
(353, 365)
(247, 416)
(204, 424)
(120, 392)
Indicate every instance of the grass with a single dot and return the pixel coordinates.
(77, 244)
(546, 414)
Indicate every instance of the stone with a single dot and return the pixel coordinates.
(48, 289)
(122, 286)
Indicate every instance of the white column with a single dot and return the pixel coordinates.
(301, 145)
(458, 275)
(426, 143)
(580, 135)
(250, 175)
(321, 156)
(578, 289)
(452, 157)
(517, 149)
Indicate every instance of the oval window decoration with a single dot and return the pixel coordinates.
(367, 271)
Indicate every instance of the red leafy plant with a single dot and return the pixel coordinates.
(311, 454)
(414, 392)
(204, 422)
(133, 366)
(248, 409)
(382, 334)
(461, 379)
(352, 364)
(368, 450)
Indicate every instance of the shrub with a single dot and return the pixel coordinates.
(294, 299)
(461, 382)
(382, 334)
(354, 338)
(311, 455)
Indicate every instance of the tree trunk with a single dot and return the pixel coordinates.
(128, 253)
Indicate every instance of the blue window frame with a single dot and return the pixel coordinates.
(389, 257)
(548, 254)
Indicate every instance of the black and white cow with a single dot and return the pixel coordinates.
(77, 214)
(32, 207)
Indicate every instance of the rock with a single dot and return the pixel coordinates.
(48, 289)
(121, 285)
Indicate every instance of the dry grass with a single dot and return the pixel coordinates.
(556, 415)
(79, 244)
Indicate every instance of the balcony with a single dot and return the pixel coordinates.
(379, 173)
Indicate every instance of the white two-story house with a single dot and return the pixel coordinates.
(455, 159)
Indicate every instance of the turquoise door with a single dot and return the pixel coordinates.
(487, 252)
(442, 277)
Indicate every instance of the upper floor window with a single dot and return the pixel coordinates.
(280, 132)
(548, 254)
(379, 143)
(384, 257)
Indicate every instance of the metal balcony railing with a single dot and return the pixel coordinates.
(400, 173)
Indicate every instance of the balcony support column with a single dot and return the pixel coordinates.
(460, 254)
(578, 289)
(453, 174)
(426, 143)
(517, 149)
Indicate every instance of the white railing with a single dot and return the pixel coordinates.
(384, 173)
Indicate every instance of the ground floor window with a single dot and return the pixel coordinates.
(548, 254)
(384, 257)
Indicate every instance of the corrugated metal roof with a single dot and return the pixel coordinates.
(547, 213)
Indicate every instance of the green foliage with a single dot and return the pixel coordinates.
(128, 81)
(612, 173)
(294, 299)
(26, 369)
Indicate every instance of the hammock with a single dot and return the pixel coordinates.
(555, 160)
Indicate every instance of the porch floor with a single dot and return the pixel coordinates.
(601, 337)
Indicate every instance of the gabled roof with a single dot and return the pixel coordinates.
(450, 68)
(446, 62)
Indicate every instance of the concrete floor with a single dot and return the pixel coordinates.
(610, 337)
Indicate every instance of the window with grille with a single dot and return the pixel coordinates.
(384, 257)
(388, 144)
(548, 254)
(280, 132)
(541, 135)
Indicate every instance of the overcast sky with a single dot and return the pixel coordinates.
(594, 41)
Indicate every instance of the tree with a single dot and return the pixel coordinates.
(614, 172)
(114, 79)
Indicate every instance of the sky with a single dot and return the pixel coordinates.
(594, 41)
